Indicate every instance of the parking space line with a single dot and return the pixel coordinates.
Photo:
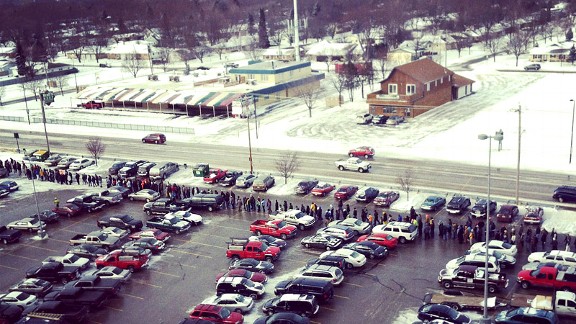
(41, 248)
(145, 283)
(23, 257)
(57, 240)
(352, 284)
(344, 297)
(328, 308)
(210, 245)
(202, 255)
(7, 267)
(129, 295)
(164, 273)
(114, 308)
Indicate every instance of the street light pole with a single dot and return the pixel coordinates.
(572, 133)
(482, 137)
(518, 160)
(249, 142)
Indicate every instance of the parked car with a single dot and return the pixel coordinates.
(433, 203)
(245, 180)
(252, 265)
(369, 249)
(479, 209)
(68, 210)
(303, 304)
(367, 195)
(254, 276)
(233, 302)
(345, 192)
(269, 240)
(230, 178)
(386, 240)
(18, 298)
(305, 186)
(53, 160)
(116, 166)
(155, 138)
(120, 189)
(151, 232)
(89, 251)
(163, 170)
(532, 67)
(47, 216)
(362, 151)
(353, 258)
(322, 189)
(147, 195)
(144, 169)
(507, 213)
(364, 119)
(111, 272)
(216, 314)
(565, 194)
(357, 226)
(458, 204)
(322, 241)
(26, 224)
(345, 233)
(263, 183)
(66, 161)
(379, 120)
(385, 199)
(497, 245)
(527, 315)
(394, 120)
(80, 164)
(431, 312)
(534, 215)
(32, 286)
(147, 243)
(403, 231)
(215, 175)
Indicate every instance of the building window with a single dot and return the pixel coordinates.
(441, 80)
(428, 86)
(264, 77)
(392, 88)
(410, 89)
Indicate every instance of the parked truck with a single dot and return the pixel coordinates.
(168, 224)
(122, 260)
(294, 217)
(471, 277)
(76, 296)
(354, 164)
(549, 277)
(54, 272)
(96, 238)
(243, 248)
(126, 222)
(563, 303)
(276, 228)
(69, 313)
(110, 285)
(8, 235)
(70, 259)
(161, 206)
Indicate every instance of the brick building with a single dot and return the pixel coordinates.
(414, 88)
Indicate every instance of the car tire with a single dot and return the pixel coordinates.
(235, 258)
(258, 233)
(525, 284)
(327, 248)
(269, 259)
(307, 245)
(283, 236)
(371, 256)
(149, 212)
(301, 227)
(447, 284)
(254, 296)
(561, 199)
(341, 168)
(64, 281)
(454, 306)
(350, 155)
(366, 156)
(5, 241)
(131, 198)
(177, 231)
(491, 289)
(147, 200)
(210, 208)
(349, 265)
(360, 170)
(143, 141)
(131, 268)
(402, 240)
(155, 142)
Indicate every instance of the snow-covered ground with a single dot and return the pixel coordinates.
(501, 89)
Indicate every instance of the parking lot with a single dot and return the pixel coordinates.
(184, 274)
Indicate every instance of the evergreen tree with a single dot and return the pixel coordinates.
(572, 55)
(263, 40)
(20, 59)
(251, 29)
(569, 34)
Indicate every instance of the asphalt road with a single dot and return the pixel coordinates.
(427, 175)
(389, 290)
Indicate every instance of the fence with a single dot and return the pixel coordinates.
(149, 128)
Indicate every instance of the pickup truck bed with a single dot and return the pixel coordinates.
(8, 235)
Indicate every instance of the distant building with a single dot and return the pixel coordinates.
(416, 87)
(326, 51)
(557, 52)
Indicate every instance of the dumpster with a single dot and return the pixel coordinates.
(201, 170)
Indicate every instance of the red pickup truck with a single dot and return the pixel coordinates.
(548, 277)
(243, 248)
(276, 228)
(93, 105)
(123, 260)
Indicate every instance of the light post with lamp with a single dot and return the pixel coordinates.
(497, 137)
(572, 133)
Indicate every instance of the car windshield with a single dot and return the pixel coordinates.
(249, 283)
(354, 254)
(452, 313)
(357, 222)
(224, 312)
(264, 246)
(281, 224)
(33, 221)
(506, 245)
(300, 215)
(74, 258)
(240, 299)
(116, 271)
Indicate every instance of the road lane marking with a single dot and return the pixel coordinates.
(328, 308)
(344, 297)
(352, 284)
(23, 257)
(7, 267)
(164, 273)
(130, 295)
(185, 252)
(210, 245)
(145, 283)
(114, 308)
(41, 248)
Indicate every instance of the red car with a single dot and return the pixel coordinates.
(345, 192)
(385, 199)
(155, 233)
(322, 189)
(254, 276)
(67, 210)
(534, 215)
(215, 175)
(216, 314)
(362, 151)
(382, 239)
(154, 138)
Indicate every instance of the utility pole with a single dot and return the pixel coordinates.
(296, 35)
(255, 115)
(44, 118)
(249, 144)
(519, 111)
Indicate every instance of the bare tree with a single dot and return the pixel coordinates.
(517, 43)
(95, 147)
(34, 86)
(405, 182)
(493, 45)
(78, 46)
(132, 64)
(200, 51)
(309, 95)
(339, 83)
(287, 164)
(61, 81)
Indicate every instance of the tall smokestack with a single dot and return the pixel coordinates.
(296, 36)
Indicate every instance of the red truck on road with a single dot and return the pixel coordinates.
(548, 277)
(93, 105)
(276, 228)
(243, 248)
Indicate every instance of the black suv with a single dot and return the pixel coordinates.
(202, 201)
(565, 193)
(302, 304)
(322, 289)
(458, 205)
(304, 187)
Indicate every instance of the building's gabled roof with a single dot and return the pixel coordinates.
(330, 49)
(423, 70)
(460, 81)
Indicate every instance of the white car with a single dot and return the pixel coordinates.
(497, 245)
(343, 232)
(232, 302)
(69, 259)
(28, 223)
(192, 218)
(111, 272)
(557, 256)
(145, 194)
(114, 231)
(323, 272)
(353, 258)
(80, 164)
(19, 298)
(65, 162)
(358, 226)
